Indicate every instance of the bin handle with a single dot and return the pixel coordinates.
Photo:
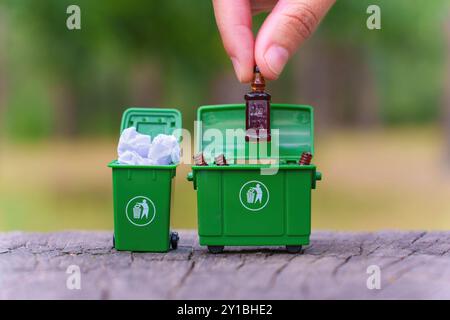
(318, 176)
(190, 177)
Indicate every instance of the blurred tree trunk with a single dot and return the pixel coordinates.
(446, 100)
(339, 82)
(367, 108)
(65, 101)
(225, 88)
(146, 86)
(313, 83)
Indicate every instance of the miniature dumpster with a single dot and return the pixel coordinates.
(142, 194)
(240, 206)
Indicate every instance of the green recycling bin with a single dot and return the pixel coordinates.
(237, 204)
(142, 194)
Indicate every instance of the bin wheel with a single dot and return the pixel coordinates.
(114, 241)
(294, 249)
(174, 238)
(215, 249)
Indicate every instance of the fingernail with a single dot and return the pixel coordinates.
(276, 58)
(236, 67)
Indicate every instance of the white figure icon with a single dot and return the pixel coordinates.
(259, 193)
(255, 194)
(145, 209)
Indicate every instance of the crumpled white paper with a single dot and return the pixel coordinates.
(134, 159)
(164, 150)
(138, 149)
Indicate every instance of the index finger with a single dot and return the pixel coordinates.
(234, 20)
(289, 24)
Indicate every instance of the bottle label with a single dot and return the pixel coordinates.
(258, 117)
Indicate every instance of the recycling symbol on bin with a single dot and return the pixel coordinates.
(140, 211)
(254, 195)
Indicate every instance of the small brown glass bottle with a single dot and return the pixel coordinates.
(257, 110)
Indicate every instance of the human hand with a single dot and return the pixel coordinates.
(289, 23)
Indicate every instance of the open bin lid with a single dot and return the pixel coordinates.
(153, 121)
(295, 124)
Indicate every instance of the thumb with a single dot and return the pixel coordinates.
(289, 24)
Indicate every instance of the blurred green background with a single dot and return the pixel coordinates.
(382, 100)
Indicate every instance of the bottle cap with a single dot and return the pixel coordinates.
(258, 82)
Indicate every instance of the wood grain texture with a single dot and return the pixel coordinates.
(413, 265)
